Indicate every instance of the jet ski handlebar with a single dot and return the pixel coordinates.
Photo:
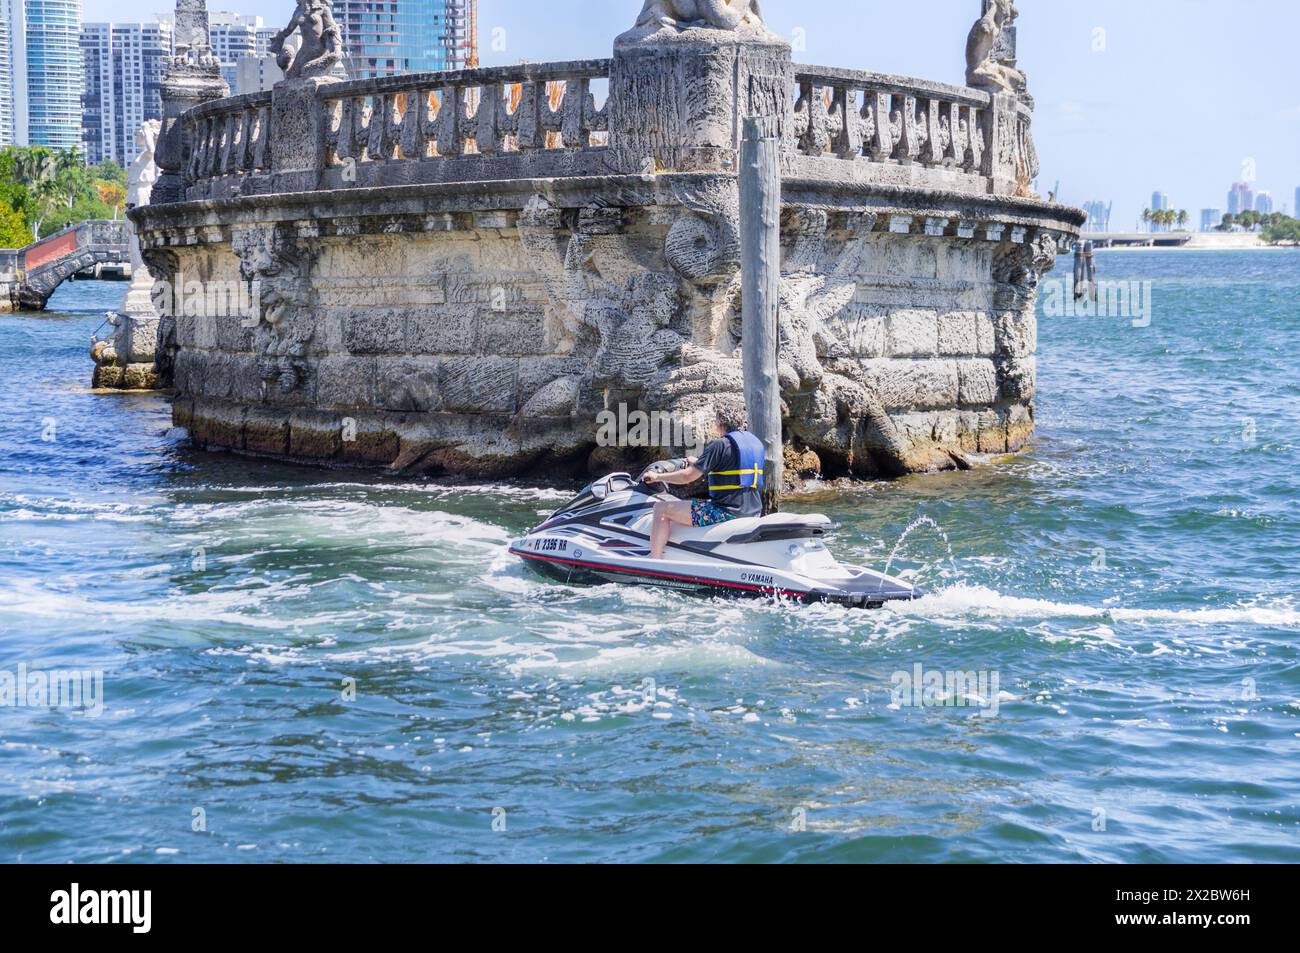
(664, 466)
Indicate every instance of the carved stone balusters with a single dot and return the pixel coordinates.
(854, 122)
(487, 132)
(572, 111)
(908, 147)
(932, 153)
(446, 127)
(529, 134)
(881, 144)
(413, 135)
(811, 118)
(978, 144)
(382, 133)
(261, 140)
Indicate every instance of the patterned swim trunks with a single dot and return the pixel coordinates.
(708, 513)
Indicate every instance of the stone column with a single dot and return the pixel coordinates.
(297, 131)
(298, 118)
(191, 77)
(681, 89)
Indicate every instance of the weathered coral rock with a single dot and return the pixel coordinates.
(465, 272)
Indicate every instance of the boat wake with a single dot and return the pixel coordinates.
(963, 601)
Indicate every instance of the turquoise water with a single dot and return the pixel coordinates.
(1131, 583)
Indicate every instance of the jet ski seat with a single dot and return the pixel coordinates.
(778, 526)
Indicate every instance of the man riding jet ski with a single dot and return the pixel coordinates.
(618, 529)
(734, 463)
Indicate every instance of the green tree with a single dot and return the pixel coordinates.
(13, 228)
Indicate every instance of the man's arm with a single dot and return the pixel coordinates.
(678, 477)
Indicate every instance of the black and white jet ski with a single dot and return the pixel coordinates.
(603, 535)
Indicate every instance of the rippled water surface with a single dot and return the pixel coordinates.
(1131, 583)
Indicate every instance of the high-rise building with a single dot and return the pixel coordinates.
(1211, 218)
(1264, 203)
(234, 37)
(45, 65)
(1159, 201)
(6, 79)
(123, 80)
(389, 37)
(97, 91)
(1295, 209)
(1241, 199)
(1098, 216)
(255, 74)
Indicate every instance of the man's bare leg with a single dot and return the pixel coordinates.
(668, 513)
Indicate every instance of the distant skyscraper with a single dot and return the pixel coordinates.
(1264, 203)
(1211, 218)
(233, 38)
(1098, 216)
(97, 91)
(255, 74)
(1295, 209)
(1159, 201)
(1240, 199)
(389, 37)
(123, 75)
(6, 79)
(45, 58)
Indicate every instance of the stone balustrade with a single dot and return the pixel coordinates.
(910, 132)
(543, 120)
(229, 137)
(856, 115)
(517, 109)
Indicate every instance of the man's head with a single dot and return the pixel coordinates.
(729, 419)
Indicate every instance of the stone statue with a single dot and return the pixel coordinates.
(721, 14)
(139, 186)
(125, 359)
(321, 48)
(990, 50)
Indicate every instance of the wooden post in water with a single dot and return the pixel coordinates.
(760, 258)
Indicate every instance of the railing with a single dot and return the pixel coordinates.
(515, 109)
(889, 119)
(229, 137)
(68, 241)
(542, 120)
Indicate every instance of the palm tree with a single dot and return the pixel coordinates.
(71, 175)
(1183, 218)
(34, 165)
(1147, 217)
(47, 196)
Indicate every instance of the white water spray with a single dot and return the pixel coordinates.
(913, 527)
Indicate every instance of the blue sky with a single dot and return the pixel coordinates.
(1184, 96)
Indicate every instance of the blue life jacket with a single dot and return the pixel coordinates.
(749, 449)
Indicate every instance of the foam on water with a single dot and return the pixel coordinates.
(226, 600)
(972, 601)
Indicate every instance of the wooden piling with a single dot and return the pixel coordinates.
(760, 237)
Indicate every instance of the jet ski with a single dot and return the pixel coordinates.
(603, 535)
